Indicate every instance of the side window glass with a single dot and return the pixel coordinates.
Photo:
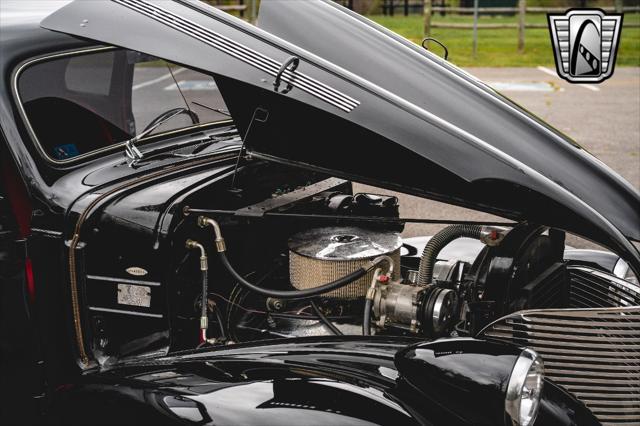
(101, 68)
(88, 102)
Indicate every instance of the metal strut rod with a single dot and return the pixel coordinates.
(376, 219)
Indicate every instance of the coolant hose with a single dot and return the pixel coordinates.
(366, 323)
(437, 243)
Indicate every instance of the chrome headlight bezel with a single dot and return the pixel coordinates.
(528, 367)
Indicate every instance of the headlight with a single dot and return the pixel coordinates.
(525, 386)
(476, 382)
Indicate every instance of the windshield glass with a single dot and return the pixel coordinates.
(82, 104)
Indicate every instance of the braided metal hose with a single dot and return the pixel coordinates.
(437, 243)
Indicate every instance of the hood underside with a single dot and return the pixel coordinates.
(364, 103)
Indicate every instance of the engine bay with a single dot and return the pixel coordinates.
(302, 238)
(270, 253)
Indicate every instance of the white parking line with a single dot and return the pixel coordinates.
(590, 87)
(547, 71)
(156, 80)
(510, 86)
(585, 86)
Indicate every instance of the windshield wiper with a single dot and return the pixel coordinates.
(199, 146)
(131, 150)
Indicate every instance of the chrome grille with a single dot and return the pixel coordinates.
(591, 288)
(594, 353)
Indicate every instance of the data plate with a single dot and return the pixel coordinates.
(134, 295)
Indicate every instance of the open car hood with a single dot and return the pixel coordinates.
(365, 104)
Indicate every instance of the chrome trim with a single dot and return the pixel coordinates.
(122, 311)
(607, 366)
(23, 114)
(243, 53)
(605, 395)
(586, 330)
(621, 268)
(593, 288)
(123, 280)
(47, 232)
(95, 153)
(513, 397)
(603, 376)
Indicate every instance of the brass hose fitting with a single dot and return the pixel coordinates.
(371, 293)
(191, 244)
(203, 222)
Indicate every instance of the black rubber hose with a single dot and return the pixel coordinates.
(291, 294)
(366, 323)
(325, 320)
(307, 317)
(437, 243)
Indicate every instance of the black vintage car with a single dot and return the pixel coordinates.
(180, 241)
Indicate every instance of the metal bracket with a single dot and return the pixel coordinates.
(260, 115)
(292, 62)
(132, 152)
(271, 204)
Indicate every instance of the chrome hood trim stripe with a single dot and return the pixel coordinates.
(243, 53)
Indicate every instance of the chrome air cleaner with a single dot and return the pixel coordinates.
(321, 255)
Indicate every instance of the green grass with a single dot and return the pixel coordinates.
(499, 47)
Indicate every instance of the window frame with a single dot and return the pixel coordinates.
(101, 151)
